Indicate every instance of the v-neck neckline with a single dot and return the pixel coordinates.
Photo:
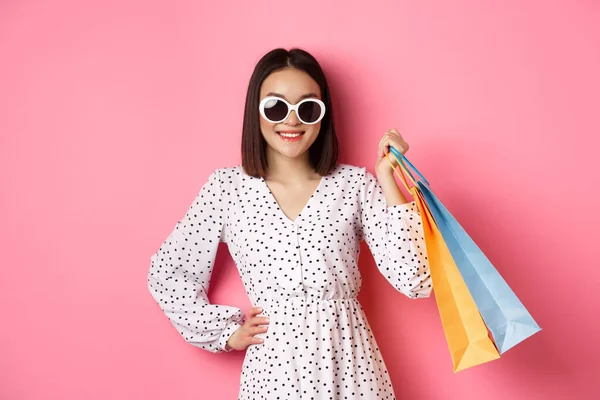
(306, 205)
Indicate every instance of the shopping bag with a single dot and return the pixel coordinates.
(465, 331)
(506, 317)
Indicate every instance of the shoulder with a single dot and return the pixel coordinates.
(229, 172)
(353, 174)
(346, 170)
(231, 177)
(351, 179)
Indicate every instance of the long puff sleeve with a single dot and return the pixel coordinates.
(394, 235)
(180, 272)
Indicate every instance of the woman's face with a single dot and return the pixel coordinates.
(290, 138)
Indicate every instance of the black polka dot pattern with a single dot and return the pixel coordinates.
(302, 272)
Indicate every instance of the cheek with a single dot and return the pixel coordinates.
(266, 127)
(313, 130)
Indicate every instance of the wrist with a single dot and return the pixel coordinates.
(384, 171)
(228, 335)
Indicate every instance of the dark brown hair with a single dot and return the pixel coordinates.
(323, 153)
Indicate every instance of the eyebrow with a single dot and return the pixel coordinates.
(305, 96)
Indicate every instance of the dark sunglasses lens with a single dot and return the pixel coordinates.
(309, 111)
(275, 110)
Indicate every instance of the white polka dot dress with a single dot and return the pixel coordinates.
(303, 273)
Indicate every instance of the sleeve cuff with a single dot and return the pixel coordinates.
(226, 334)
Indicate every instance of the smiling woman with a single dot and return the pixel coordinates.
(296, 85)
(293, 219)
(288, 90)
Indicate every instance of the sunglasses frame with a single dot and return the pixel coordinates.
(291, 108)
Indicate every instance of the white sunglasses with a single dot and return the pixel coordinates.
(275, 109)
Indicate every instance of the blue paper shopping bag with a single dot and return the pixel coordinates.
(503, 313)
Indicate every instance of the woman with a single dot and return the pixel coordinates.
(293, 219)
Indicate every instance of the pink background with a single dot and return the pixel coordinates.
(113, 113)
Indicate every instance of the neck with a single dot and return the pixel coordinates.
(282, 168)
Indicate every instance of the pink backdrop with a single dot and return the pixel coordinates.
(113, 113)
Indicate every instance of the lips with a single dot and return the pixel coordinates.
(290, 135)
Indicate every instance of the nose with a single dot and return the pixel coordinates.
(292, 119)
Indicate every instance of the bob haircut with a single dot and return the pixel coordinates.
(323, 153)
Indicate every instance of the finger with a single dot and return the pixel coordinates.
(255, 330)
(398, 143)
(383, 145)
(380, 148)
(387, 140)
(254, 311)
(258, 321)
(395, 133)
(383, 150)
(402, 146)
(255, 340)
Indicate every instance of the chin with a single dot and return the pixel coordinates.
(287, 150)
(292, 154)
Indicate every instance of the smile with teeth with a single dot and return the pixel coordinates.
(290, 135)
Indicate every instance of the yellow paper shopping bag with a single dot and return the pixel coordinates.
(465, 331)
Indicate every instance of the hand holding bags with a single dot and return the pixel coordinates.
(466, 334)
(463, 277)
